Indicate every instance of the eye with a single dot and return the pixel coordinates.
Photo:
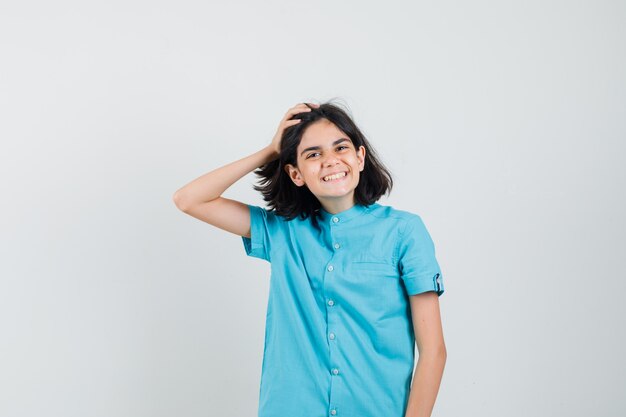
(340, 147)
(312, 154)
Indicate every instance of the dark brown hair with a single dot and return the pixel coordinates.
(289, 200)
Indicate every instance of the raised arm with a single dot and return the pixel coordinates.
(202, 199)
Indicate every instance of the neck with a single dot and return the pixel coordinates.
(337, 206)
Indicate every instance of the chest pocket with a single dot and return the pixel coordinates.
(377, 275)
(378, 284)
(369, 262)
(372, 268)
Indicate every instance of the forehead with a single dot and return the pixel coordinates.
(321, 133)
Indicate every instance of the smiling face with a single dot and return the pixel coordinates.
(329, 165)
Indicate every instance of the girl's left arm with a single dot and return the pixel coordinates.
(432, 354)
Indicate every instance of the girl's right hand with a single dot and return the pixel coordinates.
(286, 121)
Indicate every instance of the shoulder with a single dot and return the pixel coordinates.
(271, 217)
(267, 217)
(402, 218)
(265, 213)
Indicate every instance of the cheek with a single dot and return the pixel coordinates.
(309, 175)
(310, 171)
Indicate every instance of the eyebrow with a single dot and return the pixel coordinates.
(315, 148)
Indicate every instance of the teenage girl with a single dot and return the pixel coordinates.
(354, 285)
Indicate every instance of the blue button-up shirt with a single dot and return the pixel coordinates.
(339, 339)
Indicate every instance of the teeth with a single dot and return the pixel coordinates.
(335, 176)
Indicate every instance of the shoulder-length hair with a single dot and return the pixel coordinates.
(289, 200)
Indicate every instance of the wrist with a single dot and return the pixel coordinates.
(271, 153)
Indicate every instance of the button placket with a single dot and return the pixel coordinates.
(331, 317)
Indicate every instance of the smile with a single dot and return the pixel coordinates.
(334, 177)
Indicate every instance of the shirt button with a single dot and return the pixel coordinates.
(330, 268)
(335, 371)
(337, 245)
(333, 412)
(335, 219)
(331, 303)
(331, 336)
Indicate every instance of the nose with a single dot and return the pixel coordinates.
(330, 160)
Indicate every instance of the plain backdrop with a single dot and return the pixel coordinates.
(503, 123)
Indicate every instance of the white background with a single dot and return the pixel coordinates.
(502, 122)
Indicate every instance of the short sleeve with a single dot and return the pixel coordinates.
(418, 265)
(262, 227)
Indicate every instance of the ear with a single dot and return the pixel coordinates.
(360, 155)
(294, 174)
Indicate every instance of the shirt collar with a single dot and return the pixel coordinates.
(343, 216)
